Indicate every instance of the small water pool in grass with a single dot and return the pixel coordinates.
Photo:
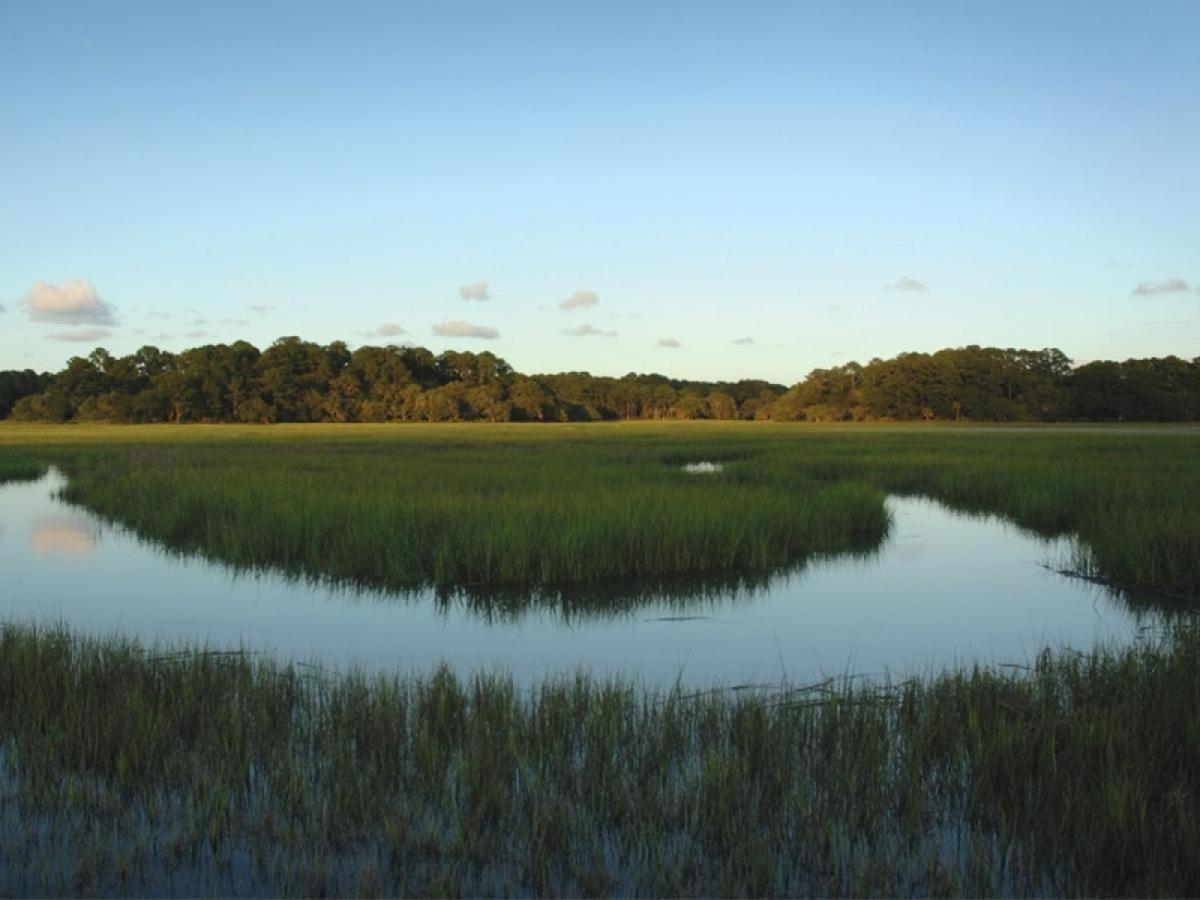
(943, 589)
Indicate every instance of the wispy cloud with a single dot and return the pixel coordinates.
(476, 290)
(466, 330)
(82, 334)
(260, 308)
(743, 341)
(670, 343)
(1170, 286)
(238, 322)
(196, 333)
(387, 329)
(907, 283)
(581, 299)
(74, 302)
(588, 331)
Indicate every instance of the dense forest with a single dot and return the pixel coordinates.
(301, 381)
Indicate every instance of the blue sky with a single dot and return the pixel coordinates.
(830, 181)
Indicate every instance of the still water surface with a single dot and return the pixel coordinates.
(942, 589)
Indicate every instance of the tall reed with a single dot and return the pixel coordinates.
(158, 771)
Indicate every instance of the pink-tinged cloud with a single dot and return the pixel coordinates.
(465, 330)
(476, 290)
(588, 331)
(74, 302)
(581, 299)
(1170, 286)
(387, 329)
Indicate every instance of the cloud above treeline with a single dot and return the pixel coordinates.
(74, 302)
(588, 331)
(387, 329)
(670, 343)
(465, 330)
(581, 299)
(1170, 286)
(742, 340)
(476, 290)
(907, 283)
(83, 334)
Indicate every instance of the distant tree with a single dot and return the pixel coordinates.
(300, 381)
(14, 385)
(721, 405)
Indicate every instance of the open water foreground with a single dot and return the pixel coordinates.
(943, 589)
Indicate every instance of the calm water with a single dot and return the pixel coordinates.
(944, 588)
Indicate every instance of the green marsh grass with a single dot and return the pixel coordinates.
(135, 770)
(17, 467)
(483, 506)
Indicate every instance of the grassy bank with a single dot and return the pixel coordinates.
(134, 770)
(548, 506)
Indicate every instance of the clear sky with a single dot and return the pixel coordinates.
(722, 190)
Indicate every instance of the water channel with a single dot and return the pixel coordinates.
(942, 589)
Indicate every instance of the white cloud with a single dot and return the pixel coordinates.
(588, 331)
(907, 283)
(83, 334)
(1170, 286)
(476, 290)
(743, 340)
(465, 329)
(74, 302)
(670, 343)
(581, 299)
(387, 329)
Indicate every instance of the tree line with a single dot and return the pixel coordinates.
(302, 381)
